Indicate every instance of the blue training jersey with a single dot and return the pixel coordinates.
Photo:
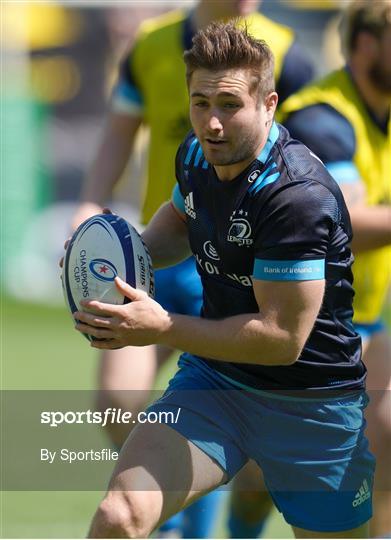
(282, 218)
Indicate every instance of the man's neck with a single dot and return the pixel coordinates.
(377, 101)
(226, 173)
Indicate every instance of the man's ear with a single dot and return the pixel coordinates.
(271, 101)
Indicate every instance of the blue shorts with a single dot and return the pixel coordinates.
(179, 288)
(368, 330)
(312, 451)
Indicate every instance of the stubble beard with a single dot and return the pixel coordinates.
(244, 151)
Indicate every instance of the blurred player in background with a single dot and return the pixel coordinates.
(152, 90)
(345, 120)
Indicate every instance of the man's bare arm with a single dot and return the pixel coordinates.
(166, 237)
(110, 161)
(371, 224)
(274, 336)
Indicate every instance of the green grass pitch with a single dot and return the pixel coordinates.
(40, 350)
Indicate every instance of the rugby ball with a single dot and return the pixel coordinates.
(103, 247)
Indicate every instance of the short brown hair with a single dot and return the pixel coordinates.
(372, 16)
(229, 46)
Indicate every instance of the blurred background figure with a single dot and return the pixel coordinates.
(57, 78)
(345, 120)
(152, 90)
(50, 119)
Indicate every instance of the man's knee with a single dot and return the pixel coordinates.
(121, 515)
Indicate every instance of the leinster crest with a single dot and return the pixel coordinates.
(240, 229)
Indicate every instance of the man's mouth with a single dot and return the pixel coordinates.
(215, 142)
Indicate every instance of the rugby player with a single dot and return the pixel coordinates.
(345, 119)
(152, 90)
(274, 354)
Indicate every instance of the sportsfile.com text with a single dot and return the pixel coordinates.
(108, 416)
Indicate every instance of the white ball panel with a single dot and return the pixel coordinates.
(103, 247)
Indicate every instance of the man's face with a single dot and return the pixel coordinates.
(227, 9)
(380, 67)
(230, 122)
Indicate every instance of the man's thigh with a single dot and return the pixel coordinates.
(316, 462)
(159, 466)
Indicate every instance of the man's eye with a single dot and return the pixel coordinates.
(231, 105)
(201, 104)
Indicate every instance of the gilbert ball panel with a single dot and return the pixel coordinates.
(103, 247)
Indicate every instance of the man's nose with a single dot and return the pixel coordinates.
(215, 123)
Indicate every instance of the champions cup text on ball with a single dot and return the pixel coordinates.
(103, 247)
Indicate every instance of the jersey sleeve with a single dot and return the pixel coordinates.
(333, 140)
(297, 71)
(127, 97)
(177, 199)
(180, 189)
(292, 232)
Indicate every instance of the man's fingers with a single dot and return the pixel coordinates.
(99, 333)
(99, 308)
(128, 291)
(66, 244)
(91, 319)
(110, 344)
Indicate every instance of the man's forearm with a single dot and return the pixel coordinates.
(111, 159)
(371, 227)
(243, 339)
(273, 336)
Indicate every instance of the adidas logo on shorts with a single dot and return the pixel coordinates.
(189, 206)
(362, 494)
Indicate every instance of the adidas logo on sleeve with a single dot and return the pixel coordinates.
(189, 206)
(362, 494)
